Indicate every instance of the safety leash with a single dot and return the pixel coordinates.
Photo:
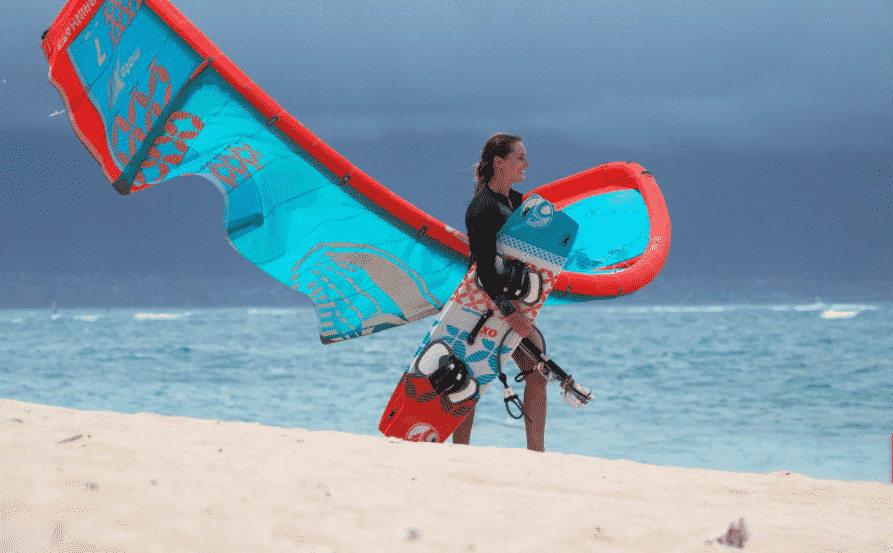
(511, 398)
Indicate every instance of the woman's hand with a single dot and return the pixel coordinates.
(519, 322)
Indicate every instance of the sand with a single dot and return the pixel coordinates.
(79, 482)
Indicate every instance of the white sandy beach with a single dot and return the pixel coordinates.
(78, 482)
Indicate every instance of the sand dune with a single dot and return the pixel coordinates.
(78, 482)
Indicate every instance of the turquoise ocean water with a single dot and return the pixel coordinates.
(758, 388)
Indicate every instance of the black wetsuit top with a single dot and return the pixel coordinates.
(485, 215)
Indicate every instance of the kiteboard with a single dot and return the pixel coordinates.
(470, 341)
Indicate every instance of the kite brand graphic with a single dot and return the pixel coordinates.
(116, 81)
(76, 21)
(119, 15)
(236, 165)
(100, 55)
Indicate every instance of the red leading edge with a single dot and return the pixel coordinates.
(638, 271)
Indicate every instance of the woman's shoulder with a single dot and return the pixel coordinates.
(483, 198)
(515, 197)
(483, 204)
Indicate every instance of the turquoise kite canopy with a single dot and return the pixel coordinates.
(153, 99)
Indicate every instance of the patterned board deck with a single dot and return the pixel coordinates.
(539, 236)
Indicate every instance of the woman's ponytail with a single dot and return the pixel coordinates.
(497, 145)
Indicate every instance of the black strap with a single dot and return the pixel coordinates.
(451, 375)
(477, 328)
(531, 348)
(516, 276)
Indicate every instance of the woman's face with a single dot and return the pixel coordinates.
(511, 168)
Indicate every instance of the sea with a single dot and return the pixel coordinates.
(747, 388)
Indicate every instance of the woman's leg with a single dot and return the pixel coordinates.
(534, 395)
(463, 432)
(534, 401)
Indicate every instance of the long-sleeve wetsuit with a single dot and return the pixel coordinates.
(486, 214)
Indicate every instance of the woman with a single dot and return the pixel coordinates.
(503, 162)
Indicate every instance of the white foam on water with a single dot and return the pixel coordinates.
(835, 314)
(159, 316)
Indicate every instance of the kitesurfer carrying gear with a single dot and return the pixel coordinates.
(502, 164)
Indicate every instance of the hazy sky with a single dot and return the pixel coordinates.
(767, 124)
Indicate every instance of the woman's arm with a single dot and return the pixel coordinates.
(483, 224)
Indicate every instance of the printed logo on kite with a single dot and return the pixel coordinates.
(422, 433)
(77, 19)
(116, 81)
